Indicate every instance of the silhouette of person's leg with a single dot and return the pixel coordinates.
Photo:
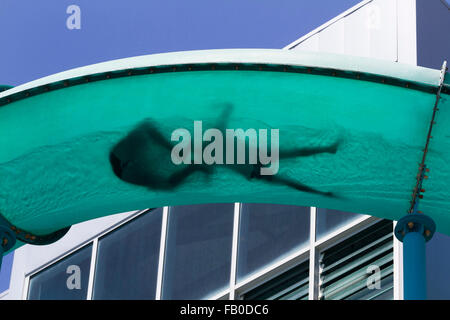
(293, 184)
(305, 152)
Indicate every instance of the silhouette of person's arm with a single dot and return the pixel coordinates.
(155, 135)
(180, 176)
(224, 117)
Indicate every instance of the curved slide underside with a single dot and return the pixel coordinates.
(95, 141)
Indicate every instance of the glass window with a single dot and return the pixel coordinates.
(290, 285)
(198, 251)
(269, 232)
(65, 280)
(330, 220)
(360, 267)
(127, 259)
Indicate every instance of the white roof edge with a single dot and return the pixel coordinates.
(327, 24)
(257, 56)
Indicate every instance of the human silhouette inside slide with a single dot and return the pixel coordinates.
(143, 158)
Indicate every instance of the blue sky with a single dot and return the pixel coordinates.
(36, 41)
(6, 271)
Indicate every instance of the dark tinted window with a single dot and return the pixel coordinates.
(65, 280)
(127, 260)
(269, 232)
(198, 252)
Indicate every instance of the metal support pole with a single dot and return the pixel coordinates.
(414, 230)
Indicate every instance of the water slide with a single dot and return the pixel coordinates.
(96, 140)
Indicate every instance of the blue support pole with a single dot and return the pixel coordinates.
(414, 230)
(414, 271)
